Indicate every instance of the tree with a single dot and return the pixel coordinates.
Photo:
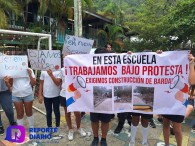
(156, 22)
(118, 10)
(60, 10)
(112, 34)
(6, 8)
(182, 21)
(148, 24)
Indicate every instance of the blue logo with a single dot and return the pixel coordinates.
(15, 134)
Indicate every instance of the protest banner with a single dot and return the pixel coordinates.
(13, 66)
(77, 45)
(141, 82)
(44, 59)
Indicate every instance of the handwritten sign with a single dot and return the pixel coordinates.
(45, 59)
(77, 45)
(13, 66)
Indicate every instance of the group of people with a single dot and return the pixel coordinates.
(52, 91)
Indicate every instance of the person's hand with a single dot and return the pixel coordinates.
(50, 73)
(77, 95)
(129, 52)
(159, 51)
(6, 79)
(191, 97)
(180, 96)
(191, 58)
(29, 72)
(40, 99)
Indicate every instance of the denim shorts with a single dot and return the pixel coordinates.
(23, 99)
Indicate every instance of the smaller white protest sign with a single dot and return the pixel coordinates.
(45, 59)
(77, 45)
(13, 66)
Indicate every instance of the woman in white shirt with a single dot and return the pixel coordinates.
(49, 91)
(22, 96)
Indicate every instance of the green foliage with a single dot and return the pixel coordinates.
(63, 10)
(182, 21)
(157, 20)
(112, 34)
(119, 93)
(152, 21)
(7, 6)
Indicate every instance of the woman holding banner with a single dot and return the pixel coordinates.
(145, 118)
(192, 83)
(192, 69)
(144, 121)
(97, 117)
(176, 121)
(22, 96)
(68, 114)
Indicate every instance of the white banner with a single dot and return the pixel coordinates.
(141, 82)
(77, 45)
(13, 66)
(45, 59)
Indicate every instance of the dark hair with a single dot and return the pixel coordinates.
(124, 51)
(192, 87)
(108, 44)
(101, 50)
(21, 53)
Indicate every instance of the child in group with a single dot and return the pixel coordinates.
(176, 121)
(49, 91)
(22, 96)
(68, 114)
(192, 92)
(6, 104)
(103, 117)
(144, 121)
(145, 118)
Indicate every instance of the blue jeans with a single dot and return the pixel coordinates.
(23, 99)
(6, 103)
(55, 102)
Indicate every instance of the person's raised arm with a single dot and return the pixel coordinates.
(40, 92)
(32, 77)
(57, 81)
(9, 82)
(191, 78)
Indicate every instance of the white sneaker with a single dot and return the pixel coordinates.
(131, 144)
(57, 133)
(82, 132)
(70, 134)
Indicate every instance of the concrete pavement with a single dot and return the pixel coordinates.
(155, 134)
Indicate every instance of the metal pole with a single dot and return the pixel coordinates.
(24, 33)
(39, 110)
(1, 110)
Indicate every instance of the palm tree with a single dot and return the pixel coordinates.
(7, 7)
(112, 34)
(61, 10)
